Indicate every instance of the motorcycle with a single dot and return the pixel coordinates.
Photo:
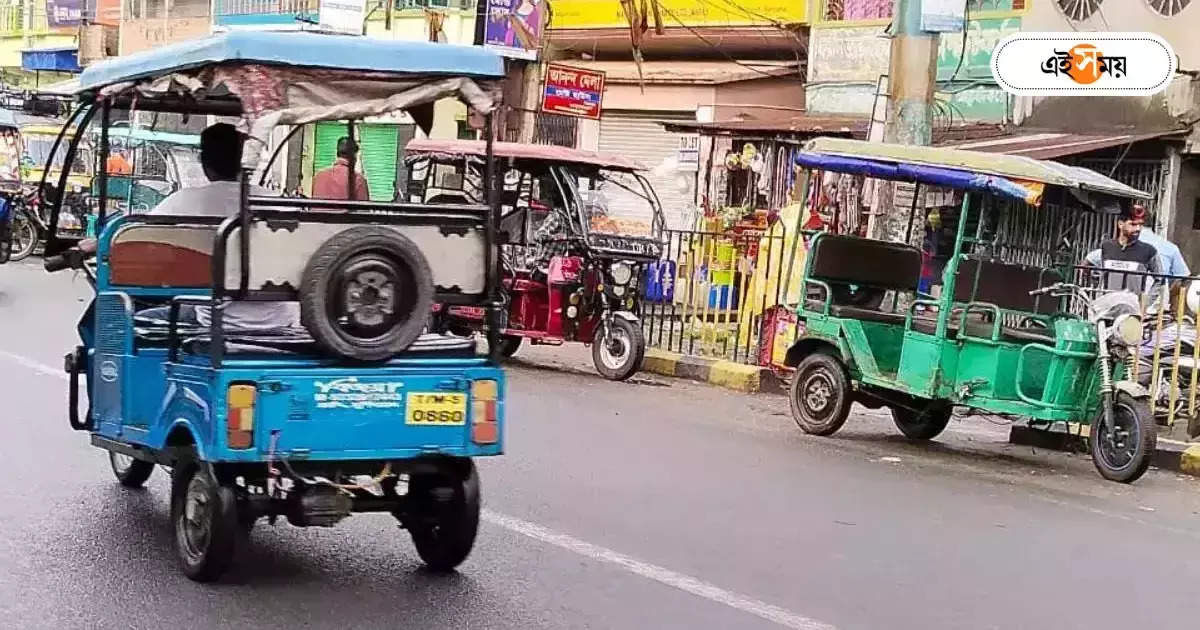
(30, 220)
(6, 207)
(1171, 382)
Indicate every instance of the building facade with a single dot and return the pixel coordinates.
(711, 60)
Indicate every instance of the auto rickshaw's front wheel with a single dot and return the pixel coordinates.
(820, 395)
(924, 424)
(618, 354)
(132, 473)
(205, 520)
(445, 535)
(508, 345)
(1123, 452)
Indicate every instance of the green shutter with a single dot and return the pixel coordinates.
(325, 151)
(380, 150)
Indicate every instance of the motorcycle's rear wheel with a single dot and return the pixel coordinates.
(24, 236)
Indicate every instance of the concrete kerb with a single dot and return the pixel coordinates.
(1169, 454)
(735, 376)
(1172, 455)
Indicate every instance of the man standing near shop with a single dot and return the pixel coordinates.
(1170, 259)
(1127, 259)
(333, 182)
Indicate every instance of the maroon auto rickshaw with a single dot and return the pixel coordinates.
(577, 227)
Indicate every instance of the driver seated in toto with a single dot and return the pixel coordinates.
(221, 157)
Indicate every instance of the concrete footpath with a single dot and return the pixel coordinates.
(1173, 452)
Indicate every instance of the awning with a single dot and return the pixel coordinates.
(51, 59)
(1047, 146)
(687, 72)
(799, 125)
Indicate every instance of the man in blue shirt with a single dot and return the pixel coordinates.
(1170, 259)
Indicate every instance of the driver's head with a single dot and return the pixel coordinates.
(221, 152)
(1131, 221)
(347, 149)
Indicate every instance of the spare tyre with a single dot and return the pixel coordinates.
(366, 294)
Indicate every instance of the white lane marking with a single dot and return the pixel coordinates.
(662, 575)
(40, 368)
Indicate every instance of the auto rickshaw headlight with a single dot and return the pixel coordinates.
(1127, 329)
(622, 273)
(618, 291)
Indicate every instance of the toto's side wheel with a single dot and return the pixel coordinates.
(444, 531)
(1122, 452)
(618, 355)
(205, 521)
(132, 473)
(366, 294)
(925, 424)
(508, 345)
(820, 395)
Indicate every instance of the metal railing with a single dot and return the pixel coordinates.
(710, 292)
(265, 7)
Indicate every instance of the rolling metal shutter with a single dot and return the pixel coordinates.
(379, 151)
(642, 137)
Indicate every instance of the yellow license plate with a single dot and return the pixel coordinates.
(435, 408)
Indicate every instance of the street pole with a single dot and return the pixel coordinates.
(912, 77)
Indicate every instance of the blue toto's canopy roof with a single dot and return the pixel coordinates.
(317, 50)
(955, 168)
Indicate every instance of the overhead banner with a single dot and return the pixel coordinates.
(943, 16)
(60, 13)
(514, 27)
(573, 92)
(343, 16)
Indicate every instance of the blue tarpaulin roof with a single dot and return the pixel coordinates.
(317, 50)
(956, 168)
(51, 59)
(928, 175)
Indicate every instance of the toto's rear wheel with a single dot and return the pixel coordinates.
(366, 294)
(924, 423)
(132, 473)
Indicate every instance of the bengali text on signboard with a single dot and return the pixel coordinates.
(573, 91)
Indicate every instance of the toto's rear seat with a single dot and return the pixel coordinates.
(872, 267)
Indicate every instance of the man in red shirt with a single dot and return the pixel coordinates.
(331, 183)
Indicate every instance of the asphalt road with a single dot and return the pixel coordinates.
(655, 504)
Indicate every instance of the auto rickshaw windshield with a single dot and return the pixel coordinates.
(617, 202)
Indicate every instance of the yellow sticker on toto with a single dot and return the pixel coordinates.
(436, 409)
